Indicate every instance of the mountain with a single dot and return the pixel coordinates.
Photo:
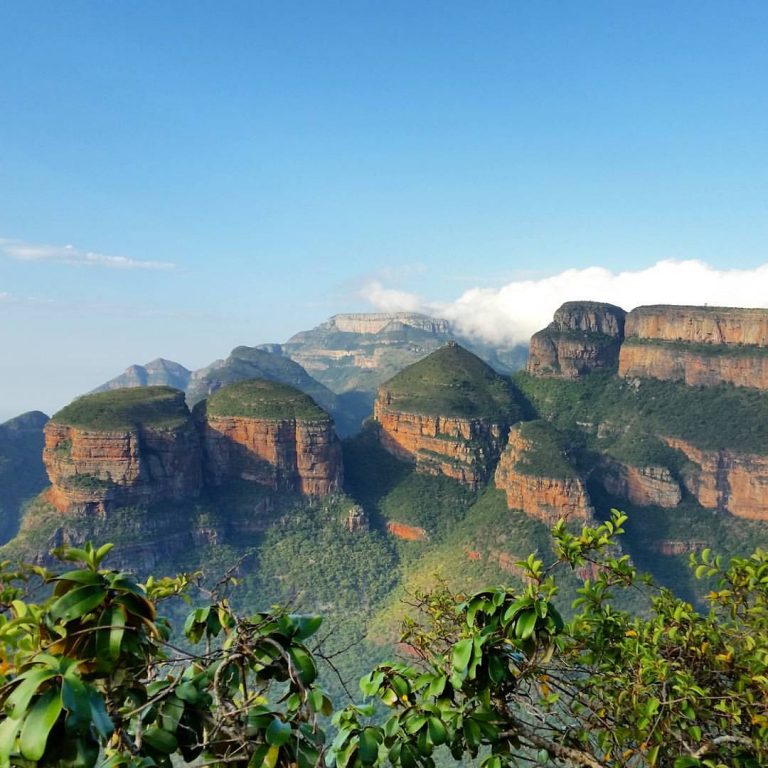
(159, 372)
(22, 475)
(456, 478)
(255, 363)
(359, 352)
(449, 413)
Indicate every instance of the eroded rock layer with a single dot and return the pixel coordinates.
(584, 336)
(464, 449)
(726, 480)
(644, 486)
(544, 496)
(290, 454)
(98, 470)
(700, 346)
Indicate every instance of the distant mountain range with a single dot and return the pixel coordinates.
(340, 363)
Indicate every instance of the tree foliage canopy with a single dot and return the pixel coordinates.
(91, 676)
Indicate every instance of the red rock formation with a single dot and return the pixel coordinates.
(545, 498)
(289, 453)
(672, 547)
(643, 486)
(406, 532)
(583, 336)
(463, 449)
(700, 346)
(96, 471)
(726, 480)
(699, 325)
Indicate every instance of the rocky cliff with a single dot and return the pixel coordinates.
(650, 485)
(448, 413)
(270, 434)
(122, 448)
(583, 336)
(537, 478)
(726, 480)
(700, 346)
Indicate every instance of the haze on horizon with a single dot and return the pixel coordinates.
(178, 179)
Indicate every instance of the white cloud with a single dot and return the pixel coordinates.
(511, 313)
(69, 254)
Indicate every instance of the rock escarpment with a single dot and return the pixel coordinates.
(122, 448)
(537, 478)
(726, 480)
(448, 413)
(270, 434)
(700, 346)
(650, 485)
(584, 336)
(138, 447)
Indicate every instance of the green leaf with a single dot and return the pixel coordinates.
(9, 730)
(74, 697)
(38, 724)
(80, 577)
(18, 701)
(437, 731)
(462, 653)
(171, 713)
(304, 662)
(160, 740)
(99, 716)
(278, 732)
(526, 623)
(78, 602)
(188, 692)
(307, 626)
(369, 745)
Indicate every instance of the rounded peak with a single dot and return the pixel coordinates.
(452, 382)
(590, 317)
(126, 408)
(27, 420)
(262, 399)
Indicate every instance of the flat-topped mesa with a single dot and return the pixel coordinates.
(700, 346)
(537, 477)
(584, 336)
(449, 413)
(378, 322)
(119, 448)
(271, 434)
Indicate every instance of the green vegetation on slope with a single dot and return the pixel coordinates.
(709, 417)
(702, 349)
(123, 409)
(263, 399)
(453, 382)
(547, 453)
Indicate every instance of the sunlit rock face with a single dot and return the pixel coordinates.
(96, 460)
(726, 480)
(270, 434)
(584, 336)
(546, 496)
(700, 346)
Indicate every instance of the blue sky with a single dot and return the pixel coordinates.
(231, 173)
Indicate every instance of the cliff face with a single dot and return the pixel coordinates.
(584, 336)
(700, 346)
(98, 470)
(464, 449)
(726, 480)
(699, 325)
(545, 498)
(694, 366)
(643, 486)
(281, 454)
